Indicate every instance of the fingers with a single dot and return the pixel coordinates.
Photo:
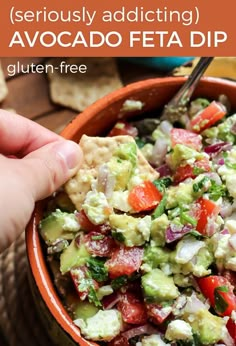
(19, 135)
(49, 167)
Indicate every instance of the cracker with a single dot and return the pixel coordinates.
(3, 85)
(99, 150)
(79, 90)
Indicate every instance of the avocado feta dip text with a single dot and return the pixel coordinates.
(142, 241)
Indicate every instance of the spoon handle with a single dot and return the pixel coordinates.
(184, 94)
(188, 88)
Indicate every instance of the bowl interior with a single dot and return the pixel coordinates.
(96, 120)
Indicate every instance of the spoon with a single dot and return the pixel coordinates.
(177, 106)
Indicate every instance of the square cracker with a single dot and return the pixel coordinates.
(80, 90)
(99, 150)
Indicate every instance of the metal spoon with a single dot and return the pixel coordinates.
(177, 106)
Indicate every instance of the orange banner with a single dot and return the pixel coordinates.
(117, 28)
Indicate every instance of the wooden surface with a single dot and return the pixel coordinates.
(28, 94)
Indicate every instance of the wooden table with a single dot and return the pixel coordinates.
(29, 93)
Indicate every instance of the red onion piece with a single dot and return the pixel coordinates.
(145, 329)
(224, 231)
(221, 162)
(226, 209)
(216, 148)
(164, 170)
(166, 127)
(110, 301)
(105, 181)
(159, 151)
(175, 232)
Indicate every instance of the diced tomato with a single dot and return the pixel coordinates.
(88, 226)
(84, 222)
(156, 313)
(205, 211)
(124, 261)
(220, 293)
(188, 171)
(231, 326)
(144, 196)
(207, 117)
(99, 244)
(185, 137)
(230, 276)
(122, 128)
(119, 340)
(132, 309)
(78, 274)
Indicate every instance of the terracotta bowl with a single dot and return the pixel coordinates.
(96, 120)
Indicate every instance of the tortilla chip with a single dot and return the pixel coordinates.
(224, 67)
(99, 150)
(3, 86)
(79, 90)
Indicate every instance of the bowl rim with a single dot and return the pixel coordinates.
(33, 245)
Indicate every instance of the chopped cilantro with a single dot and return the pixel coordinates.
(230, 164)
(216, 191)
(97, 237)
(198, 170)
(162, 184)
(140, 143)
(220, 303)
(186, 218)
(86, 285)
(122, 280)
(194, 342)
(92, 297)
(227, 162)
(119, 282)
(200, 185)
(160, 209)
(196, 234)
(118, 236)
(97, 269)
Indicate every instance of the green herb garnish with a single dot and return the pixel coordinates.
(162, 184)
(119, 282)
(118, 236)
(200, 185)
(220, 304)
(86, 285)
(160, 209)
(97, 269)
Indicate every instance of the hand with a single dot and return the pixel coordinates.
(34, 162)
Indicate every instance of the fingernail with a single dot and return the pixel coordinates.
(70, 152)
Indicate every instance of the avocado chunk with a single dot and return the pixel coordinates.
(158, 228)
(179, 195)
(158, 287)
(105, 325)
(208, 327)
(73, 255)
(122, 171)
(135, 231)
(58, 225)
(155, 255)
(182, 153)
(83, 309)
(128, 151)
(64, 202)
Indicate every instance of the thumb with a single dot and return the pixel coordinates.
(49, 167)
